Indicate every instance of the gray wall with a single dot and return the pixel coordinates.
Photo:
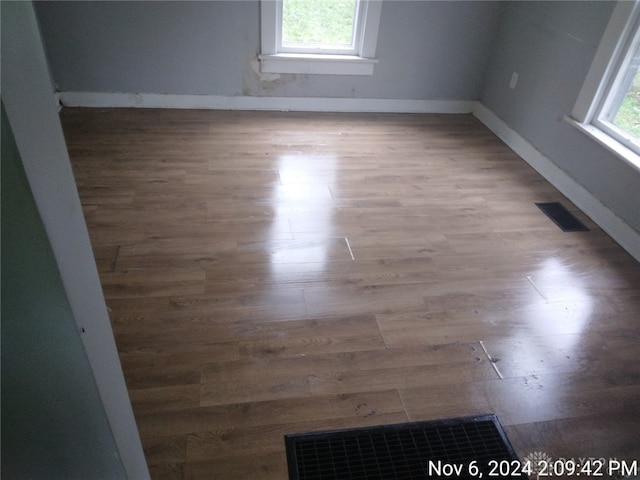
(53, 423)
(551, 45)
(31, 109)
(427, 50)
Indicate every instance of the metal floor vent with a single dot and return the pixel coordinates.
(562, 217)
(423, 450)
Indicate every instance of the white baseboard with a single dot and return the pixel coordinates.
(152, 100)
(607, 219)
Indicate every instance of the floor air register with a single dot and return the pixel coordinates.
(459, 448)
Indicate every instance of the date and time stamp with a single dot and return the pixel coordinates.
(537, 465)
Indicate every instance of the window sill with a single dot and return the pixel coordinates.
(316, 64)
(628, 156)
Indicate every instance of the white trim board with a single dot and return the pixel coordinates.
(306, 104)
(607, 219)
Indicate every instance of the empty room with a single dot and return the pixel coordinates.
(295, 239)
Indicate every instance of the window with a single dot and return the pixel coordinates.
(319, 36)
(608, 107)
(619, 112)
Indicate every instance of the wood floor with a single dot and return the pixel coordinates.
(272, 273)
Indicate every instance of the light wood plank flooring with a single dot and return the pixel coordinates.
(271, 273)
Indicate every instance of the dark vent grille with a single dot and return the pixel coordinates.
(562, 217)
(405, 451)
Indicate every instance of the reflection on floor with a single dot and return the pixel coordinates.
(273, 273)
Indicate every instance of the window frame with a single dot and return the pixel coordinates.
(359, 62)
(616, 89)
(603, 82)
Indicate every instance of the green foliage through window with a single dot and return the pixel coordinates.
(318, 22)
(628, 116)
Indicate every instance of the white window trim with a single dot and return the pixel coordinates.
(600, 77)
(272, 61)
